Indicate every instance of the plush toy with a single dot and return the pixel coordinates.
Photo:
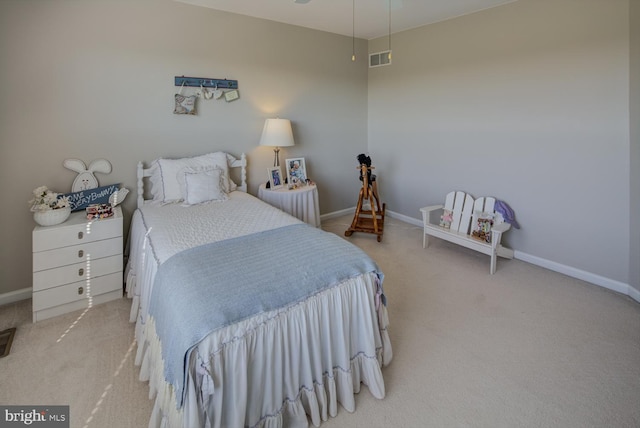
(446, 218)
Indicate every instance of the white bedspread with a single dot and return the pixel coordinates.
(160, 231)
(271, 370)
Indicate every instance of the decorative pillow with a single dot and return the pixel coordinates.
(166, 186)
(185, 105)
(202, 185)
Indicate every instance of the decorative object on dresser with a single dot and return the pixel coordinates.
(83, 198)
(118, 196)
(77, 264)
(86, 178)
(49, 208)
(99, 211)
(86, 191)
(477, 224)
(277, 133)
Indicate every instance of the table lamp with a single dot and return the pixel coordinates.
(277, 133)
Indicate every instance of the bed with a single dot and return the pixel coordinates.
(244, 315)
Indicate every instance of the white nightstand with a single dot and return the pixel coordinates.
(76, 264)
(301, 202)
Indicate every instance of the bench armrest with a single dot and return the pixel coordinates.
(431, 208)
(501, 228)
(496, 233)
(427, 213)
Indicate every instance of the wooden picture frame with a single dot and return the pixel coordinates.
(296, 171)
(276, 180)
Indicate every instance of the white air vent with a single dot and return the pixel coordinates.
(379, 59)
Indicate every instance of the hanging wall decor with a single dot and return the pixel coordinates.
(231, 95)
(186, 104)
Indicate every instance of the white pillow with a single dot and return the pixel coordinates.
(202, 185)
(166, 187)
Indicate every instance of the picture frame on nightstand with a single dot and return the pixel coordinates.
(296, 171)
(275, 177)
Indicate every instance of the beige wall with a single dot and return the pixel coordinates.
(527, 102)
(94, 79)
(535, 102)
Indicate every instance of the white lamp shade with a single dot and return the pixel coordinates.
(277, 133)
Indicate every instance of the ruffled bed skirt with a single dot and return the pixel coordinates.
(278, 369)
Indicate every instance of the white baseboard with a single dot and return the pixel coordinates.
(15, 296)
(602, 281)
(592, 278)
(402, 217)
(337, 213)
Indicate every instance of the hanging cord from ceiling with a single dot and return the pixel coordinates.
(389, 30)
(353, 30)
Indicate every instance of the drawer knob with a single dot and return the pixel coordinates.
(80, 290)
(80, 272)
(80, 253)
(80, 235)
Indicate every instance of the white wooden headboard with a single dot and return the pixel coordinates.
(143, 172)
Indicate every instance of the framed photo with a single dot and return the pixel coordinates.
(296, 171)
(275, 177)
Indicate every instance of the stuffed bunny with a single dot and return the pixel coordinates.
(85, 179)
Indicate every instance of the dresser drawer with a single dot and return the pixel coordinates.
(77, 230)
(76, 291)
(76, 253)
(76, 272)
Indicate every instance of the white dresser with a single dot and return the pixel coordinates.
(76, 264)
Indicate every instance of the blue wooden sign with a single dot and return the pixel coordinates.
(82, 199)
(206, 82)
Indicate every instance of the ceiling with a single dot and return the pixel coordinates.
(336, 16)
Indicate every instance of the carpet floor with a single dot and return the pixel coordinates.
(525, 347)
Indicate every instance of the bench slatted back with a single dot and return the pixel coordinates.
(485, 205)
(464, 209)
(461, 204)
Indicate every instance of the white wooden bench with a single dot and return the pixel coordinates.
(464, 211)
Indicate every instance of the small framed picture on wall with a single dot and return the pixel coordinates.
(275, 177)
(296, 171)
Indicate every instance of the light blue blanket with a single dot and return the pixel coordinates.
(215, 285)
